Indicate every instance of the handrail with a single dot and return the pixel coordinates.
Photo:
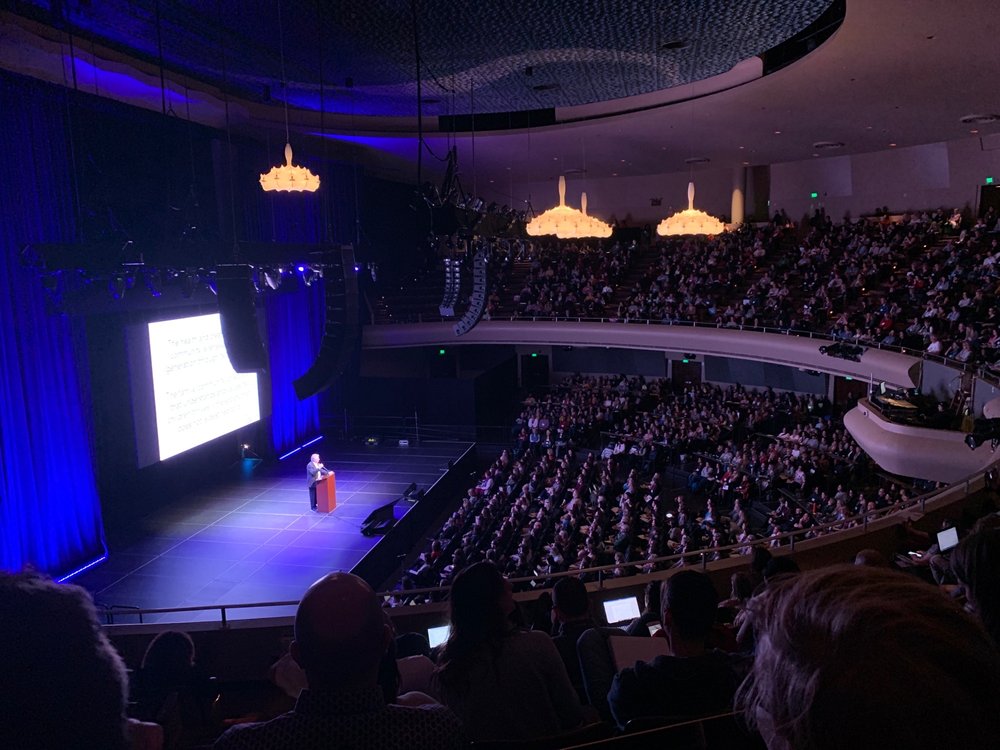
(862, 521)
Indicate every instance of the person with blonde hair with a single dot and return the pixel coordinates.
(859, 657)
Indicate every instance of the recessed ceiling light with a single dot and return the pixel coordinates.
(815, 154)
(973, 131)
(741, 148)
(746, 164)
(614, 174)
(777, 132)
(892, 145)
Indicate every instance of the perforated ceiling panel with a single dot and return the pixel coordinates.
(487, 56)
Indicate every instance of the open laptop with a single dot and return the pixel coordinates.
(947, 539)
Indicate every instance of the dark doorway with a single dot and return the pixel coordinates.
(534, 371)
(686, 372)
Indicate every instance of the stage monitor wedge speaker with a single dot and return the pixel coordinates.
(340, 330)
(379, 520)
(238, 313)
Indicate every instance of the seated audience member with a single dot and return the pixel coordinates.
(871, 558)
(390, 677)
(650, 614)
(976, 564)
(571, 617)
(170, 690)
(858, 657)
(414, 663)
(340, 639)
(65, 685)
(693, 680)
(503, 683)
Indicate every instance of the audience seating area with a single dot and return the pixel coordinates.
(924, 281)
(618, 471)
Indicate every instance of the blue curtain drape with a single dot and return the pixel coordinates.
(294, 325)
(50, 513)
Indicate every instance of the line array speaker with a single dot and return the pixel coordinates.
(340, 330)
(238, 312)
(477, 303)
(452, 287)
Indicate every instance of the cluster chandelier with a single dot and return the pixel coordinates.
(568, 223)
(690, 221)
(287, 176)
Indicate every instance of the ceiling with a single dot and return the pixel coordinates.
(484, 56)
(896, 73)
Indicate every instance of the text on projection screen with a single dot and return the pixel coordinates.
(198, 396)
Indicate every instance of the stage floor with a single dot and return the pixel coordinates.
(254, 539)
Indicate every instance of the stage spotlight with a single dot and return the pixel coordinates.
(272, 278)
(985, 429)
(208, 279)
(154, 283)
(188, 283)
(117, 286)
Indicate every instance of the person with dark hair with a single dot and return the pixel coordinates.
(976, 565)
(857, 657)
(66, 685)
(504, 684)
(340, 638)
(650, 612)
(692, 680)
(171, 691)
(570, 618)
(779, 567)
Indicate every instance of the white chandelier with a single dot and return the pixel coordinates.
(690, 221)
(289, 177)
(568, 223)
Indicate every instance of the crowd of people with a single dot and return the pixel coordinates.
(925, 281)
(618, 472)
(846, 655)
(567, 279)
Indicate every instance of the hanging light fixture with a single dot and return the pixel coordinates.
(690, 220)
(287, 177)
(568, 223)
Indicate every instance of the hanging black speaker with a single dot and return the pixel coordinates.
(238, 311)
(340, 329)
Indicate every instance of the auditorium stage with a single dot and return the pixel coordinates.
(254, 538)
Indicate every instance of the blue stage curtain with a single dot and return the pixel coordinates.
(50, 514)
(294, 326)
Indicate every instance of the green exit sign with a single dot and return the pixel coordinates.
(989, 180)
(814, 195)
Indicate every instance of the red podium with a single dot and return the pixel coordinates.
(326, 493)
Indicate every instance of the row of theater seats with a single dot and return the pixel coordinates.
(682, 469)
